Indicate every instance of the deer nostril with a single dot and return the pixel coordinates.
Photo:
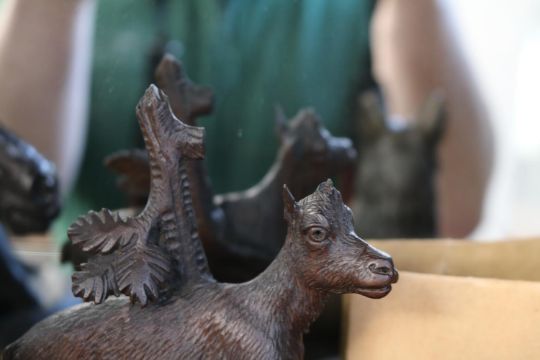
(381, 268)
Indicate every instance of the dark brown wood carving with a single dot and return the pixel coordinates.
(137, 255)
(194, 316)
(307, 155)
(240, 235)
(395, 178)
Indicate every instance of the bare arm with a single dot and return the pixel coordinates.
(414, 52)
(45, 56)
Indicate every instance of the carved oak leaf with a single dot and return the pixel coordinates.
(140, 271)
(136, 270)
(96, 280)
(103, 231)
(134, 267)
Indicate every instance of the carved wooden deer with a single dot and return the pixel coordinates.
(198, 317)
(261, 319)
(243, 231)
(395, 178)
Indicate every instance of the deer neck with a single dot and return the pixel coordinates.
(284, 297)
(284, 170)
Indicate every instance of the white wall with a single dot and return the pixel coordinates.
(501, 39)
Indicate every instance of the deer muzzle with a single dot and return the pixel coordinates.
(384, 267)
(381, 266)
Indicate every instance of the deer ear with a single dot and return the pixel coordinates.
(370, 119)
(289, 203)
(280, 120)
(326, 187)
(432, 116)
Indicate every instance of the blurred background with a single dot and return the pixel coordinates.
(73, 71)
(500, 41)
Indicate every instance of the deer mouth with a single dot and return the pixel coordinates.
(380, 290)
(375, 293)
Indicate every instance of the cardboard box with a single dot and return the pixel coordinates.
(493, 315)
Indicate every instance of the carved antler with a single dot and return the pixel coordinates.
(135, 255)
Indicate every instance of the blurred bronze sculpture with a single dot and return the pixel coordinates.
(395, 178)
(29, 201)
(29, 196)
(157, 255)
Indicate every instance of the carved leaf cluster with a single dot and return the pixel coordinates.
(140, 270)
(124, 253)
(96, 280)
(123, 260)
(103, 231)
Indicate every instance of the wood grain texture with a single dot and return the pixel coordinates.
(261, 319)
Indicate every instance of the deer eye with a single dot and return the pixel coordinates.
(317, 233)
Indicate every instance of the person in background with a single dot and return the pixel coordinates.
(255, 54)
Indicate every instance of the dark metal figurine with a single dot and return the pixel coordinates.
(29, 201)
(158, 255)
(395, 179)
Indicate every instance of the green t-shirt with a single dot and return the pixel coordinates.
(254, 53)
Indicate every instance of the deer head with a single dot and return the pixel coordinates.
(326, 251)
(309, 148)
(29, 194)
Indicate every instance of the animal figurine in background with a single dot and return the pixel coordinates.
(395, 178)
(308, 154)
(29, 201)
(242, 231)
(157, 255)
(29, 194)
